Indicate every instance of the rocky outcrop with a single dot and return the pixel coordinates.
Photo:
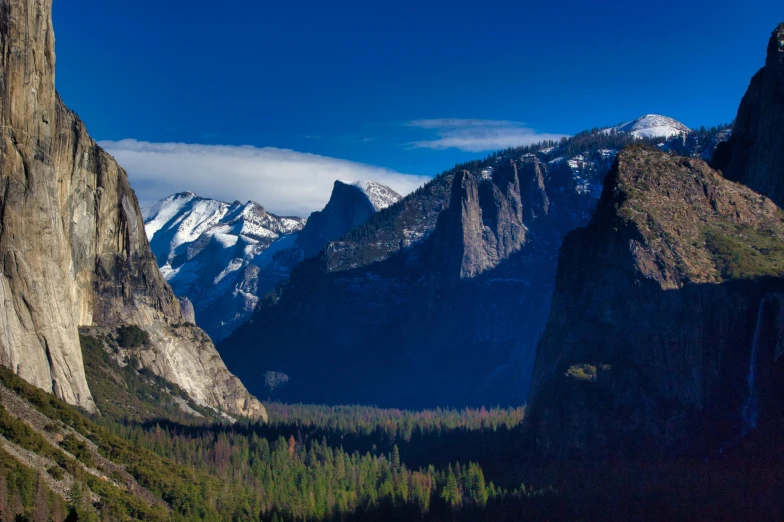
(483, 224)
(72, 240)
(754, 154)
(350, 205)
(188, 313)
(660, 304)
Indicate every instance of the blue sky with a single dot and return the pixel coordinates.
(384, 87)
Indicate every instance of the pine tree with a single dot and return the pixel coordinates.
(292, 445)
(451, 492)
(395, 459)
(17, 508)
(58, 510)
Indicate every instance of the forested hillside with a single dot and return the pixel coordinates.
(311, 463)
(345, 463)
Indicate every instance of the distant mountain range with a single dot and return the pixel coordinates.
(223, 256)
(442, 297)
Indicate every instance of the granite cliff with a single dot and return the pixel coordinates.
(754, 155)
(72, 242)
(666, 327)
(349, 205)
(665, 314)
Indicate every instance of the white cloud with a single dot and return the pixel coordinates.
(477, 135)
(283, 181)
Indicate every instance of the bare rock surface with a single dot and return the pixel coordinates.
(754, 155)
(72, 245)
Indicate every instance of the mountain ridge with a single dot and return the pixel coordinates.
(213, 253)
(223, 257)
(403, 289)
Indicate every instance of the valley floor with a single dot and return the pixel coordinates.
(347, 463)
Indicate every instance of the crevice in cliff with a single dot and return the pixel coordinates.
(3, 204)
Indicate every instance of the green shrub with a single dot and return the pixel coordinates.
(751, 254)
(131, 336)
(581, 372)
(78, 449)
(56, 472)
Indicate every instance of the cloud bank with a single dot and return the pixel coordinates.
(284, 181)
(477, 135)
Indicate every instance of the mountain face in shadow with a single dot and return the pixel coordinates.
(665, 316)
(349, 205)
(754, 154)
(441, 298)
(421, 306)
(666, 324)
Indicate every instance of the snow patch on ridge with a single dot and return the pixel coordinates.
(651, 126)
(379, 195)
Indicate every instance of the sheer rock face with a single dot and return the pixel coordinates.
(72, 242)
(484, 222)
(349, 206)
(754, 155)
(657, 306)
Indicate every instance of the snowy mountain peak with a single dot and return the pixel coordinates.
(651, 126)
(379, 195)
(209, 252)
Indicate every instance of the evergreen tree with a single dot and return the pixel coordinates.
(451, 493)
(396, 458)
(292, 445)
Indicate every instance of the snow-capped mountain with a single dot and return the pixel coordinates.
(178, 221)
(350, 205)
(224, 256)
(651, 126)
(215, 254)
(378, 194)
